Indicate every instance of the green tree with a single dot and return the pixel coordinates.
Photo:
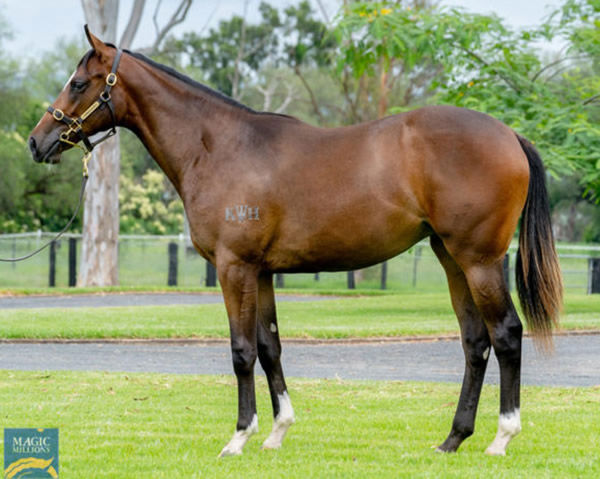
(228, 55)
(485, 65)
(150, 206)
(574, 216)
(32, 196)
(248, 61)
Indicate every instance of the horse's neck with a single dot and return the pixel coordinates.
(181, 126)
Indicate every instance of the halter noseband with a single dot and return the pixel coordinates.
(75, 124)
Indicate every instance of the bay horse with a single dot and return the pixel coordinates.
(267, 193)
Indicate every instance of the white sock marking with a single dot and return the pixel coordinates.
(509, 425)
(239, 439)
(282, 422)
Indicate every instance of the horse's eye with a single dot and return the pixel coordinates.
(78, 85)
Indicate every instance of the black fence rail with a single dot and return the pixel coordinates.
(171, 260)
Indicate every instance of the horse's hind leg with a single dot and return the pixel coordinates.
(476, 346)
(269, 353)
(490, 293)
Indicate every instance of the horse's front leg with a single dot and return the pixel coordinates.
(239, 282)
(269, 354)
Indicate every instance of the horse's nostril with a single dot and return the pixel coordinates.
(32, 145)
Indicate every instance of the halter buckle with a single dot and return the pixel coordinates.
(111, 79)
(58, 115)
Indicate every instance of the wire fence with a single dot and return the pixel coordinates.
(150, 261)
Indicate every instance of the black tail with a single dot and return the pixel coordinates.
(539, 281)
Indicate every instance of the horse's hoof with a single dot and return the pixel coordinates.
(446, 448)
(444, 451)
(491, 451)
(229, 452)
(270, 446)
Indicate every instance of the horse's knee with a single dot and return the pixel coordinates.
(269, 347)
(269, 354)
(477, 351)
(244, 357)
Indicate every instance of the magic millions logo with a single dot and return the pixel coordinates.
(30, 453)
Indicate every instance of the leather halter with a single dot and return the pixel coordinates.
(75, 134)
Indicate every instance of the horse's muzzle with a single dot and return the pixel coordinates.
(50, 156)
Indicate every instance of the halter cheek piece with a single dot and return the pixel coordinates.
(75, 133)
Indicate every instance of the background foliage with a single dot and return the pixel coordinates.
(373, 59)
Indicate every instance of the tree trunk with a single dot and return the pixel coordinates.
(100, 239)
(382, 104)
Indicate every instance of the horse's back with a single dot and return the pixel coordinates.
(430, 159)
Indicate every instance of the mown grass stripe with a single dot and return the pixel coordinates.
(344, 428)
(384, 316)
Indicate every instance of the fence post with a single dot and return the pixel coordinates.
(350, 280)
(72, 262)
(52, 272)
(279, 281)
(211, 275)
(384, 268)
(172, 251)
(594, 276)
(316, 276)
(506, 268)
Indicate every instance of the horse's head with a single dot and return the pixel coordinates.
(87, 105)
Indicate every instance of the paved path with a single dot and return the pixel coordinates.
(127, 299)
(576, 362)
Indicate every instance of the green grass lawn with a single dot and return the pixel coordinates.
(369, 316)
(173, 426)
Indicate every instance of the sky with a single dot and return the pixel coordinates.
(38, 24)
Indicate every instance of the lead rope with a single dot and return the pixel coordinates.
(84, 180)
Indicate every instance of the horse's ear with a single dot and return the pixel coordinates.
(95, 42)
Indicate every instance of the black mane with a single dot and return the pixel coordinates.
(187, 80)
